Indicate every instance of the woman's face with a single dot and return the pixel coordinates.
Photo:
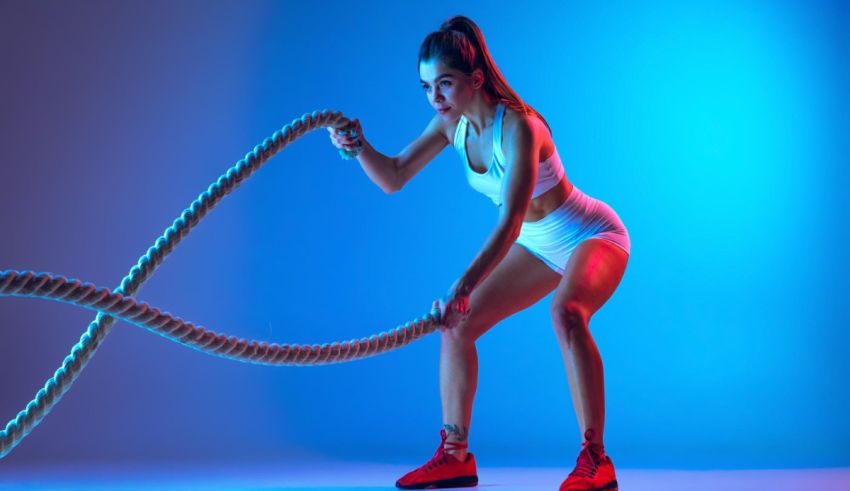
(448, 90)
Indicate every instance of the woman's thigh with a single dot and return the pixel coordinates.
(591, 275)
(517, 282)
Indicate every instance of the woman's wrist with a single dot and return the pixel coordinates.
(353, 152)
(460, 288)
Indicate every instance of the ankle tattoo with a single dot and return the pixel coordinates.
(459, 432)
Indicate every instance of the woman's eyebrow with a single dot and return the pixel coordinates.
(442, 75)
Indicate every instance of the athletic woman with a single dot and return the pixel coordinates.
(549, 236)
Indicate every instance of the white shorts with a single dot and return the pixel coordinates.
(554, 237)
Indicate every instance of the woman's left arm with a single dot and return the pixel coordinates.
(520, 176)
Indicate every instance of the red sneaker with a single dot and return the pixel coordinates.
(593, 472)
(444, 470)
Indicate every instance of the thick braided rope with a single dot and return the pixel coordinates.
(59, 288)
(120, 303)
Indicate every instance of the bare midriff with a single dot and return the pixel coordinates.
(552, 198)
(548, 201)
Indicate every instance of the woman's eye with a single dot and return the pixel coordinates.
(444, 83)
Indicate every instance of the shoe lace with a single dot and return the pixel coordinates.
(440, 456)
(586, 463)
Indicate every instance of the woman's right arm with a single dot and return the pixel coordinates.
(392, 173)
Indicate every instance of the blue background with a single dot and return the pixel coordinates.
(716, 130)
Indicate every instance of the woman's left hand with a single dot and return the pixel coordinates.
(454, 307)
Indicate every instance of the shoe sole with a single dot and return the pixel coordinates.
(611, 486)
(455, 482)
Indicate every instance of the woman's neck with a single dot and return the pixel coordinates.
(481, 111)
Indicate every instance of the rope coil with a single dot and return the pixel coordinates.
(120, 304)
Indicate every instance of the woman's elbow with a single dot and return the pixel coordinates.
(395, 182)
(392, 187)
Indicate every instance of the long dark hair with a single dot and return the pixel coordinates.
(460, 45)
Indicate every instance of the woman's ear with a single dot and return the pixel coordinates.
(477, 78)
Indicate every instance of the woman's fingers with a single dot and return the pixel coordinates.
(452, 313)
(445, 313)
(453, 319)
(461, 304)
(343, 141)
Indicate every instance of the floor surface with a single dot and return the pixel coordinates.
(369, 477)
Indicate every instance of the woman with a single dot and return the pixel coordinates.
(549, 236)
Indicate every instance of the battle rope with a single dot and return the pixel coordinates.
(120, 303)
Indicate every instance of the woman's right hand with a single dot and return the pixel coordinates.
(346, 141)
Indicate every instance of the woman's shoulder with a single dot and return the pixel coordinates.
(515, 119)
(450, 127)
(442, 127)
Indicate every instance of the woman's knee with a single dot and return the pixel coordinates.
(569, 319)
(466, 331)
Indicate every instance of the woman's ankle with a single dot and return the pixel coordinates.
(457, 448)
(458, 454)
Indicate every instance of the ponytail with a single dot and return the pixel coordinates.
(460, 45)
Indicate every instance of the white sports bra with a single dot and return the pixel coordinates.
(549, 173)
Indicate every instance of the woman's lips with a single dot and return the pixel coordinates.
(444, 110)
